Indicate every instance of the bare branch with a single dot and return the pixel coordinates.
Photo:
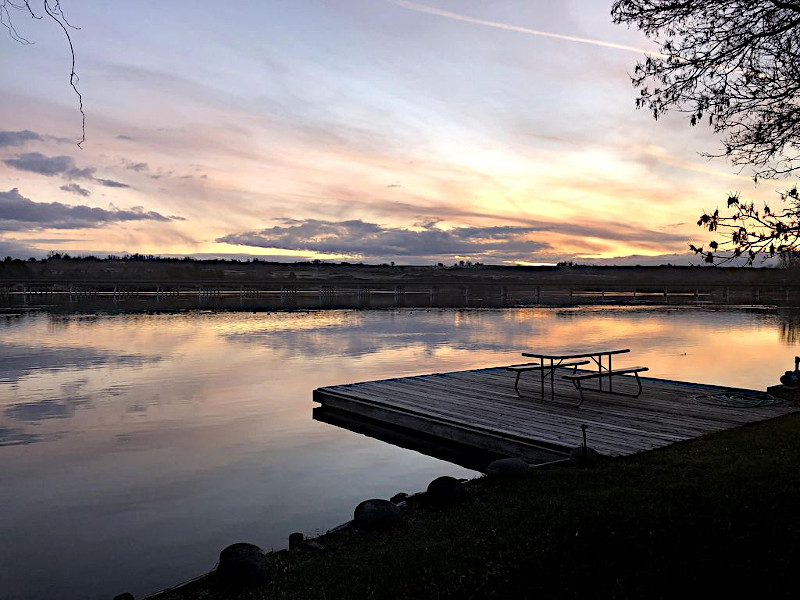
(733, 64)
(53, 9)
(73, 77)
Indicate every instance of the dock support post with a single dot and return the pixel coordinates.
(399, 295)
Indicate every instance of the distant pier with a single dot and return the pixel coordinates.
(166, 295)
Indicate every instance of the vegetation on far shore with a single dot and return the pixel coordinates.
(139, 268)
(713, 517)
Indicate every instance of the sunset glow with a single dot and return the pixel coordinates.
(366, 130)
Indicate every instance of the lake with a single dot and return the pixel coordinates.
(133, 448)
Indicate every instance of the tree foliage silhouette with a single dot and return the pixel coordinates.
(750, 232)
(735, 65)
(10, 10)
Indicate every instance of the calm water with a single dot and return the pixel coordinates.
(134, 448)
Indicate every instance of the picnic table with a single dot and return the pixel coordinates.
(549, 362)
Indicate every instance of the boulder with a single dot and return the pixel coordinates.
(398, 498)
(508, 467)
(445, 491)
(242, 565)
(125, 596)
(376, 514)
(584, 457)
(790, 378)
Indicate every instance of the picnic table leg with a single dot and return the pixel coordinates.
(610, 378)
(552, 388)
(600, 370)
(541, 377)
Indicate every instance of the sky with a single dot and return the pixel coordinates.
(499, 131)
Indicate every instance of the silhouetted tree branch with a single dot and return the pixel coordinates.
(750, 232)
(53, 10)
(734, 64)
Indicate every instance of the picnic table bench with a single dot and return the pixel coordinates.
(576, 379)
(549, 362)
(520, 369)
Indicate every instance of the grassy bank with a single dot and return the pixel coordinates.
(718, 516)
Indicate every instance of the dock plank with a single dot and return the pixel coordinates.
(480, 407)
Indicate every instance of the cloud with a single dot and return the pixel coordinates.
(35, 162)
(111, 183)
(430, 10)
(50, 166)
(138, 167)
(126, 138)
(18, 213)
(18, 138)
(18, 249)
(74, 188)
(362, 239)
(585, 227)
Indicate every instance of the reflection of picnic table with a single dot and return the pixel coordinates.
(549, 362)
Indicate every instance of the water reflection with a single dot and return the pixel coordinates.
(18, 360)
(790, 328)
(140, 445)
(12, 436)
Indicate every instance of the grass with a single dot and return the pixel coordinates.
(717, 516)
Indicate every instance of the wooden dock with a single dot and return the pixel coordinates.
(479, 408)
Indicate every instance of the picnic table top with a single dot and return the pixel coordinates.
(566, 355)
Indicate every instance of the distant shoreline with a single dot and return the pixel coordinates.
(114, 285)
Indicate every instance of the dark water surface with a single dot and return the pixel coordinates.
(134, 448)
